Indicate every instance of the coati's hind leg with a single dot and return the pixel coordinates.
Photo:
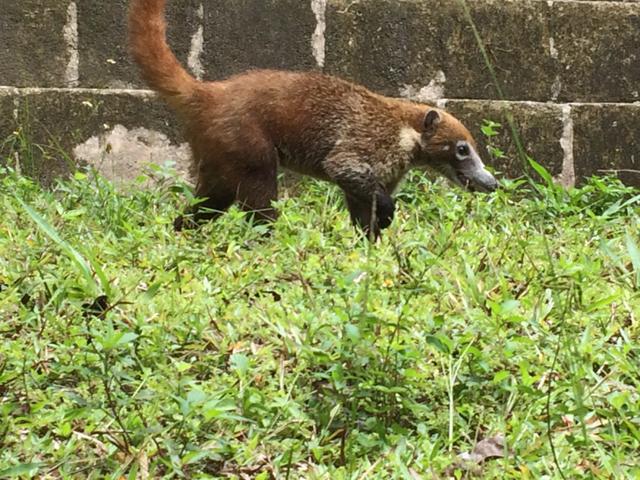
(217, 199)
(246, 176)
(256, 192)
(371, 207)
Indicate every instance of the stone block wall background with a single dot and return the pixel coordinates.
(570, 71)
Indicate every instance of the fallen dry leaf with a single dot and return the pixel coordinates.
(487, 449)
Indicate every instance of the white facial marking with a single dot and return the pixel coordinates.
(473, 169)
(409, 138)
(464, 167)
(464, 151)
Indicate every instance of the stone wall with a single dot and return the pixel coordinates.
(569, 70)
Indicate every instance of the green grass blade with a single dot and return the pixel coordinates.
(104, 281)
(543, 172)
(21, 470)
(71, 252)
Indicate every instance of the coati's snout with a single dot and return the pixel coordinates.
(469, 171)
(453, 153)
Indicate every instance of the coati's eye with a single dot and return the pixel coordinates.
(463, 150)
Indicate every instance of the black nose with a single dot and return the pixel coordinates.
(487, 185)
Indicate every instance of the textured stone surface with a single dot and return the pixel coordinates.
(243, 34)
(121, 154)
(102, 28)
(569, 51)
(594, 43)
(58, 122)
(565, 51)
(387, 44)
(606, 141)
(33, 49)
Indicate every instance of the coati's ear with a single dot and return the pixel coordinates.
(431, 121)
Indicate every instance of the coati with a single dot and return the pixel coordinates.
(242, 128)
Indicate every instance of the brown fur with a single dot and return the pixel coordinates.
(241, 129)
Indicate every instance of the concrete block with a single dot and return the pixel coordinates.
(34, 50)
(596, 44)
(606, 141)
(236, 36)
(118, 133)
(102, 28)
(541, 51)
(389, 44)
(244, 34)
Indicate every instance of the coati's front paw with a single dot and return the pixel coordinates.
(178, 224)
(385, 211)
(372, 222)
(184, 222)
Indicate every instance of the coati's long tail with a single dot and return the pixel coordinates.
(148, 43)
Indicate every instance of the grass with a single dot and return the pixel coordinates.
(131, 352)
